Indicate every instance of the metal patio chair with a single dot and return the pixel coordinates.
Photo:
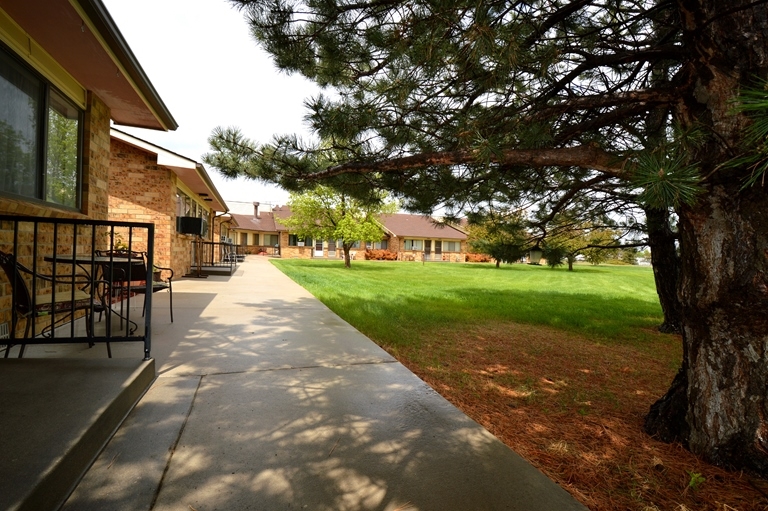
(65, 295)
(131, 277)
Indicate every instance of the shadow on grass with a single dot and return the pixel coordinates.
(325, 264)
(533, 267)
(401, 319)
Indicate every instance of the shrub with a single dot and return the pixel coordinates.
(380, 255)
(478, 258)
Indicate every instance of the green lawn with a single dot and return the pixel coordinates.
(398, 303)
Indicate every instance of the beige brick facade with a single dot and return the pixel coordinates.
(140, 190)
(96, 149)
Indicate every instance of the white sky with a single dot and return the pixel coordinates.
(209, 71)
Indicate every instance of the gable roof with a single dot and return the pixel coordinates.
(279, 213)
(82, 38)
(419, 226)
(265, 222)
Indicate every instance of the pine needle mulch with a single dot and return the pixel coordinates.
(574, 408)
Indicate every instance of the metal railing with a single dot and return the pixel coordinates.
(54, 282)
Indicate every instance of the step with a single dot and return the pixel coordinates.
(56, 415)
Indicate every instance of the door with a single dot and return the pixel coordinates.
(427, 249)
(438, 250)
(318, 248)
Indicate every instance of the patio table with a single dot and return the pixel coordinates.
(89, 261)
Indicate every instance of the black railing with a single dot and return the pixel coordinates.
(215, 254)
(59, 275)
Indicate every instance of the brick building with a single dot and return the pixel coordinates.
(411, 237)
(148, 183)
(59, 94)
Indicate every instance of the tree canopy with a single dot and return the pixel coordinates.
(597, 107)
(324, 213)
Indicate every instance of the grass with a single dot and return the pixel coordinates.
(397, 302)
(561, 366)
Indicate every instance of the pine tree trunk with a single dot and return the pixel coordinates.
(666, 267)
(724, 252)
(724, 297)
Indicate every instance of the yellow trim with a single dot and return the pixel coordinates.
(34, 55)
(115, 60)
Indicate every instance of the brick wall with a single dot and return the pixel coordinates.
(96, 162)
(142, 191)
(287, 252)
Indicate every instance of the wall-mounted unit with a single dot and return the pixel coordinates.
(192, 225)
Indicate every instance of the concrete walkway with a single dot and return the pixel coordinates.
(266, 400)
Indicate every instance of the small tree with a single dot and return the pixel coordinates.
(499, 234)
(325, 213)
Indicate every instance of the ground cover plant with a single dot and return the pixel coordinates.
(561, 366)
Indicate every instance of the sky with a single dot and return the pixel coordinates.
(209, 71)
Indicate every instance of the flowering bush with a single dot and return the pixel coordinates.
(478, 258)
(380, 255)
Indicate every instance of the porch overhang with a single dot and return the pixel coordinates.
(190, 172)
(82, 37)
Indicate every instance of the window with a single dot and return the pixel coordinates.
(294, 240)
(243, 238)
(40, 137)
(452, 246)
(381, 245)
(413, 245)
(270, 240)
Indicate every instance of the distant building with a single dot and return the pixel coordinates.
(410, 237)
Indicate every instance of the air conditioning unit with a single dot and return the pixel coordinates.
(192, 225)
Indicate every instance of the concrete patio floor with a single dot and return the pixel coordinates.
(267, 400)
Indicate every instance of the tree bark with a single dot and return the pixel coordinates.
(347, 259)
(666, 267)
(724, 252)
(724, 298)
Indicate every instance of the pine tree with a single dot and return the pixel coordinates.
(552, 102)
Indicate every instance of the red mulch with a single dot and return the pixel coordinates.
(574, 409)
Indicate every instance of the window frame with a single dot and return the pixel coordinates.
(414, 245)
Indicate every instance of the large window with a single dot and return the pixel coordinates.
(40, 137)
(414, 245)
(271, 240)
(452, 246)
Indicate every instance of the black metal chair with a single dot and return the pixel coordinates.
(62, 295)
(131, 277)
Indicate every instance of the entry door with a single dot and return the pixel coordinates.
(438, 250)
(318, 248)
(427, 249)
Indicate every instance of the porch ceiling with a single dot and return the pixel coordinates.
(88, 44)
